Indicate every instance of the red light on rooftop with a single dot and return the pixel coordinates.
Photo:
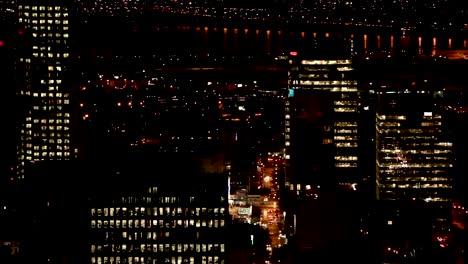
(293, 53)
(20, 32)
(1, 43)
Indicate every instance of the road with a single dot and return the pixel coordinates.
(271, 215)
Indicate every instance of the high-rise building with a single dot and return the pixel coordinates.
(180, 214)
(407, 135)
(321, 123)
(414, 155)
(43, 56)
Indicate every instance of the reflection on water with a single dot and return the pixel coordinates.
(206, 40)
(268, 41)
(365, 42)
(419, 45)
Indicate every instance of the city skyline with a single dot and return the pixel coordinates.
(147, 132)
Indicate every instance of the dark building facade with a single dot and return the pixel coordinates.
(179, 214)
(322, 106)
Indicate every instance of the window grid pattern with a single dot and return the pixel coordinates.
(336, 77)
(414, 161)
(158, 228)
(45, 130)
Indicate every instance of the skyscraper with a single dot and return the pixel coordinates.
(44, 128)
(414, 155)
(322, 106)
(178, 215)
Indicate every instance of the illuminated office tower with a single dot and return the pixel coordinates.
(44, 131)
(321, 123)
(414, 156)
(181, 217)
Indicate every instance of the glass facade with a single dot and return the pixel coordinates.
(44, 131)
(330, 79)
(414, 155)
